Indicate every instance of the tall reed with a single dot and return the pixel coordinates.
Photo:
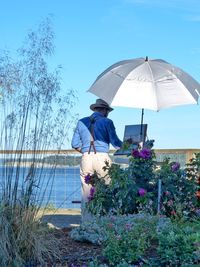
(35, 116)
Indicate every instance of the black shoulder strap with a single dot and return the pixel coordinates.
(91, 128)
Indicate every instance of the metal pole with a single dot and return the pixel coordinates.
(159, 195)
(141, 128)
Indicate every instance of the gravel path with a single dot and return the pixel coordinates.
(62, 218)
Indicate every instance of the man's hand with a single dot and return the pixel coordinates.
(78, 149)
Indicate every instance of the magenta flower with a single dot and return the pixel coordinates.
(145, 153)
(87, 178)
(135, 153)
(92, 192)
(175, 166)
(142, 192)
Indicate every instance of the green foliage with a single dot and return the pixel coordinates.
(143, 240)
(128, 241)
(193, 173)
(179, 187)
(179, 245)
(142, 170)
(134, 189)
(121, 195)
(115, 197)
(193, 167)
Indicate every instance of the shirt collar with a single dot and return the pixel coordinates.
(97, 114)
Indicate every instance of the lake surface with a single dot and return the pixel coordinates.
(64, 182)
(59, 186)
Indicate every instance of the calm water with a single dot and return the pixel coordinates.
(59, 186)
(64, 183)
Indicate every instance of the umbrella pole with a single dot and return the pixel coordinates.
(141, 128)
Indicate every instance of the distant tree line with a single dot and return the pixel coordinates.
(52, 160)
(63, 160)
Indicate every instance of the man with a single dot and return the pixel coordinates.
(92, 137)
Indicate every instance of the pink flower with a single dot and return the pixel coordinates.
(142, 192)
(170, 202)
(110, 225)
(173, 212)
(167, 193)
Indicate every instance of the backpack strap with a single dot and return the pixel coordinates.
(91, 128)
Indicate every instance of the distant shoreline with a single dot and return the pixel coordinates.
(37, 165)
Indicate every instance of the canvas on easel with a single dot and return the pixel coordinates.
(134, 135)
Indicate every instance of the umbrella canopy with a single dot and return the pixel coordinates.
(145, 83)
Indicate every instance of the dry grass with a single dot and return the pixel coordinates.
(23, 238)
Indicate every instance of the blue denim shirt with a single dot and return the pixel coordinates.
(104, 134)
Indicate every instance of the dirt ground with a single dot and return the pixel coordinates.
(74, 253)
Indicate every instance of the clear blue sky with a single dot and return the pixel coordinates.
(91, 35)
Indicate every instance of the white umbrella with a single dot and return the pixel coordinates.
(146, 83)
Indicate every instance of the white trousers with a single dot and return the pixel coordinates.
(90, 163)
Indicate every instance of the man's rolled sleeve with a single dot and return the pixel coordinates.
(114, 140)
(76, 140)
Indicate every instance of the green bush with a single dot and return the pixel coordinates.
(125, 209)
(134, 189)
(128, 242)
(178, 187)
(179, 245)
(143, 240)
